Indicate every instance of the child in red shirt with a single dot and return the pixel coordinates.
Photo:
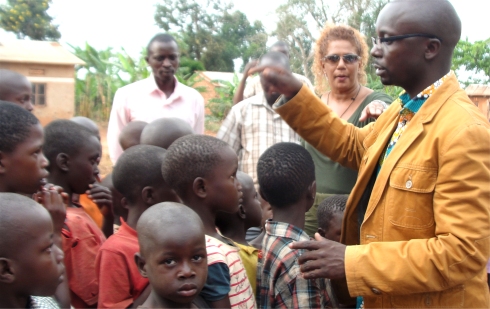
(138, 177)
(74, 153)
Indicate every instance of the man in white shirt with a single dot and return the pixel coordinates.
(158, 96)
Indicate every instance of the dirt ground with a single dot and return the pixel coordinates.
(105, 165)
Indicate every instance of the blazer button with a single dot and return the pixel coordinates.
(408, 184)
(376, 291)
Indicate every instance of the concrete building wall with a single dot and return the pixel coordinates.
(59, 88)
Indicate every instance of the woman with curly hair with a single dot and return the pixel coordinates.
(341, 56)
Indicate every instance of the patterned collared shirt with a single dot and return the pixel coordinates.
(410, 108)
(38, 302)
(279, 280)
(250, 128)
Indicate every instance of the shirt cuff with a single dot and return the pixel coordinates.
(282, 100)
(353, 281)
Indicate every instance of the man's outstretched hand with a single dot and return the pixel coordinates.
(283, 80)
(324, 258)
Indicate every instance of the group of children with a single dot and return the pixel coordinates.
(180, 209)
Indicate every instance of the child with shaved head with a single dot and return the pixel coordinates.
(163, 132)
(137, 176)
(131, 134)
(30, 263)
(202, 170)
(15, 88)
(172, 256)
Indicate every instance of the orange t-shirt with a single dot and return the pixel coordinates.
(91, 209)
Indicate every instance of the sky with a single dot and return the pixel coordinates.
(130, 23)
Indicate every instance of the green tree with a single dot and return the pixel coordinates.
(473, 58)
(29, 18)
(212, 33)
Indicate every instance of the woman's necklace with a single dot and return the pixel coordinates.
(353, 100)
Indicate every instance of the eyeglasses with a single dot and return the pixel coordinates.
(348, 58)
(377, 41)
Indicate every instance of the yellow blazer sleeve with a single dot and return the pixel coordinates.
(317, 124)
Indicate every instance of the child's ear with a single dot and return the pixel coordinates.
(62, 161)
(148, 195)
(199, 187)
(312, 190)
(2, 163)
(262, 195)
(141, 264)
(321, 232)
(241, 212)
(124, 203)
(7, 273)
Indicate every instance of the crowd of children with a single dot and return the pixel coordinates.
(180, 214)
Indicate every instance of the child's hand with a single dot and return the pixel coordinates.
(101, 196)
(55, 201)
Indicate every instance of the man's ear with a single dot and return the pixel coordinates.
(241, 212)
(62, 162)
(199, 187)
(321, 232)
(433, 48)
(7, 272)
(141, 264)
(147, 60)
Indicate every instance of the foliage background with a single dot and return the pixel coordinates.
(212, 35)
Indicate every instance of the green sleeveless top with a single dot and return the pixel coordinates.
(331, 177)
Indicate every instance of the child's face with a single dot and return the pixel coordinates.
(251, 203)
(333, 233)
(21, 95)
(223, 186)
(266, 211)
(177, 266)
(84, 168)
(39, 267)
(25, 167)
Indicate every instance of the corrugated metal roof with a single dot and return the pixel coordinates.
(478, 90)
(25, 51)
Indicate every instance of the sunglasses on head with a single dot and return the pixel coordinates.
(348, 58)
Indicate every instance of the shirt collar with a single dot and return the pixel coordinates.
(263, 102)
(282, 229)
(152, 86)
(416, 103)
(125, 228)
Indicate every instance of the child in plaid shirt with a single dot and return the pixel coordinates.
(286, 175)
